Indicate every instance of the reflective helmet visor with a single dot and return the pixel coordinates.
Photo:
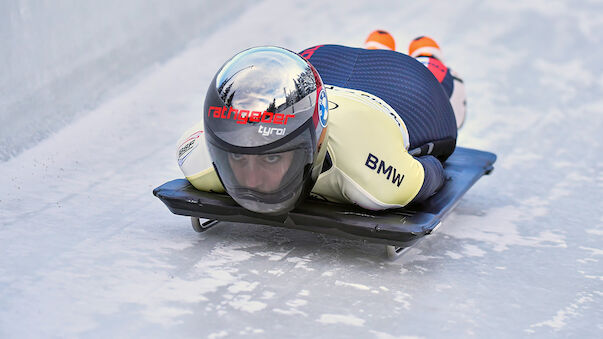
(267, 182)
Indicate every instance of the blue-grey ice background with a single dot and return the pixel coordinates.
(94, 95)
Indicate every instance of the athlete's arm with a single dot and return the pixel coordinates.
(433, 179)
(367, 143)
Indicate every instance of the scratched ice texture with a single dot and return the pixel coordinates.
(87, 251)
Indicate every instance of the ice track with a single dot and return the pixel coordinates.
(87, 251)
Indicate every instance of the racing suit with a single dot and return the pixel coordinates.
(391, 125)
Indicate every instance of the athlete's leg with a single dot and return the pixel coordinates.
(427, 51)
(407, 86)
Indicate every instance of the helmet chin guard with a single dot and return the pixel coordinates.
(265, 118)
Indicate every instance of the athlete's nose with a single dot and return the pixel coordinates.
(253, 176)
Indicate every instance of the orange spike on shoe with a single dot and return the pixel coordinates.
(380, 39)
(424, 46)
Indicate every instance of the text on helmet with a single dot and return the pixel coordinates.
(242, 116)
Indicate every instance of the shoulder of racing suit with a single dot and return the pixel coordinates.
(195, 162)
(368, 148)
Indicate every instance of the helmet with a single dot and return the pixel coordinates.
(380, 39)
(265, 120)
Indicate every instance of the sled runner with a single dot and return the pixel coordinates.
(396, 228)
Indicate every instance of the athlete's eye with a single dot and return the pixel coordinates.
(272, 158)
(236, 157)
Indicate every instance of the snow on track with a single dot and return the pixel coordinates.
(86, 250)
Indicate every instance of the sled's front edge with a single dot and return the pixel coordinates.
(181, 198)
(401, 227)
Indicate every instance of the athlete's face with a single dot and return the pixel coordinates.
(262, 173)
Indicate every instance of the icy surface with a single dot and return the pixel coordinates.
(62, 58)
(87, 251)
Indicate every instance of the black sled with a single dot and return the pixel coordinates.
(396, 228)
